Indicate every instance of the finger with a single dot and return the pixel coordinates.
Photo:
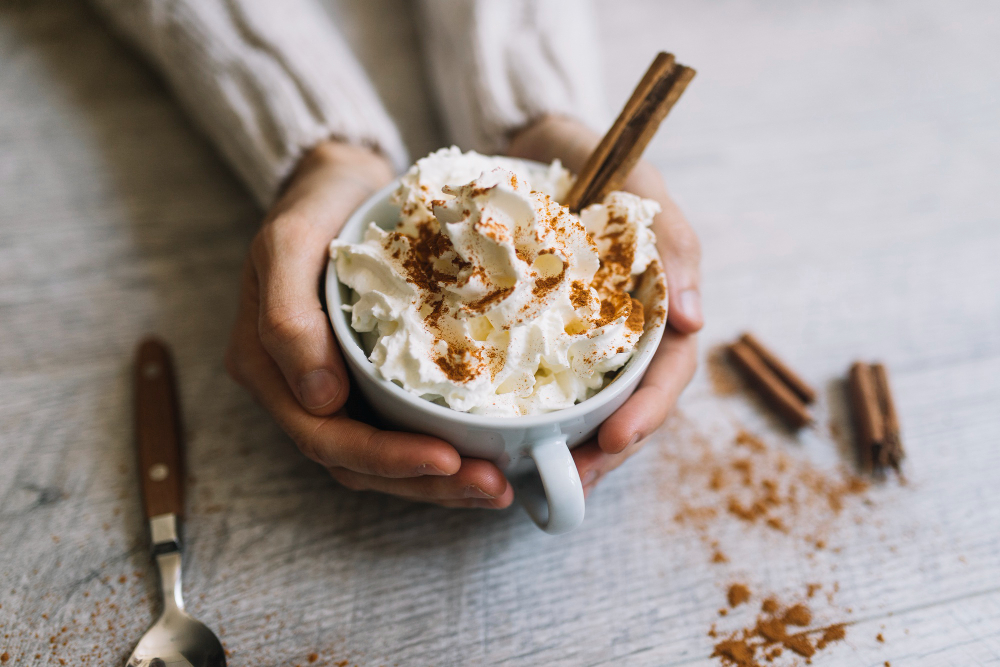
(669, 372)
(331, 441)
(292, 324)
(679, 248)
(476, 480)
(289, 255)
(593, 463)
(471, 503)
(590, 460)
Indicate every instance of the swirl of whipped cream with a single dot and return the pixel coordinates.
(491, 297)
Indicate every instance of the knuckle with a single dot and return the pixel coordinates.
(276, 232)
(685, 243)
(311, 449)
(375, 453)
(283, 325)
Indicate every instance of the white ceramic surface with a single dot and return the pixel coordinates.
(519, 446)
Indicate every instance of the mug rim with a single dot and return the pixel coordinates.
(635, 367)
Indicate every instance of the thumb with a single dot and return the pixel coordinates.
(291, 322)
(681, 253)
(289, 255)
(679, 248)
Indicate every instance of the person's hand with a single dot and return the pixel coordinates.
(283, 350)
(675, 360)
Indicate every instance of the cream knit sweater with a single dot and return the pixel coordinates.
(268, 79)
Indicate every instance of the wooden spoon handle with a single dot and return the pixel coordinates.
(158, 430)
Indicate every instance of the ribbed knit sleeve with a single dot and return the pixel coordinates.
(495, 65)
(265, 79)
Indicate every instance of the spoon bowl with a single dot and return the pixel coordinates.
(176, 639)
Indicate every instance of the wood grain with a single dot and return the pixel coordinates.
(838, 161)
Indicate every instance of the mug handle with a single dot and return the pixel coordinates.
(559, 507)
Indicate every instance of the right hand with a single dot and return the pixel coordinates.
(283, 351)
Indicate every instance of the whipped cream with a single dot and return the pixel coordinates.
(491, 297)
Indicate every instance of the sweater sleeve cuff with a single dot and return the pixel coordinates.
(265, 80)
(497, 66)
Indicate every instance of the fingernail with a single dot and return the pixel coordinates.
(318, 388)
(589, 478)
(689, 303)
(473, 491)
(634, 439)
(587, 490)
(430, 469)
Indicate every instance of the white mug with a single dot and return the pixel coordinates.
(519, 446)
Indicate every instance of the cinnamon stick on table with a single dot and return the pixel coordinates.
(610, 163)
(891, 452)
(770, 383)
(868, 425)
(875, 421)
(787, 375)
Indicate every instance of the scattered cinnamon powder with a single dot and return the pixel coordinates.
(545, 285)
(579, 294)
(460, 364)
(769, 636)
(312, 657)
(737, 595)
(4, 657)
(481, 305)
(636, 319)
(742, 477)
(797, 615)
(880, 638)
(833, 633)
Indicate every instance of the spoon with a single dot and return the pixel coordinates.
(175, 639)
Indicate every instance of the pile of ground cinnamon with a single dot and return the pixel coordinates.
(778, 629)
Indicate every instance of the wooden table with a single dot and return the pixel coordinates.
(840, 163)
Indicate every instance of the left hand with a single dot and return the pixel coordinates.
(675, 360)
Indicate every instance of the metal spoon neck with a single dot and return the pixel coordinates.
(163, 529)
(170, 580)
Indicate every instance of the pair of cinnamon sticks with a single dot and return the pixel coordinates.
(779, 385)
(876, 424)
